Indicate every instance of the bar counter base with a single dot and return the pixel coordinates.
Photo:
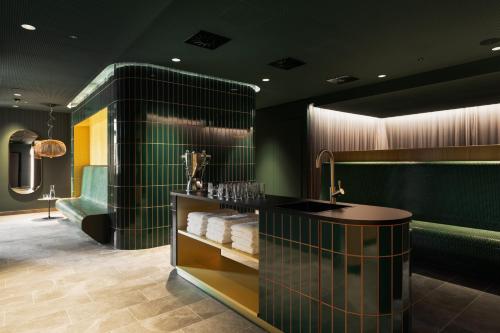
(185, 272)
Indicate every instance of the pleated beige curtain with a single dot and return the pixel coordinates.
(340, 131)
(459, 127)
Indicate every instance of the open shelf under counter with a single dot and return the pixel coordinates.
(227, 251)
(237, 283)
(229, 275)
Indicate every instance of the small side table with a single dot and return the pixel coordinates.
(49, 200)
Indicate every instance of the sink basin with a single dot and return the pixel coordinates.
(312, 206)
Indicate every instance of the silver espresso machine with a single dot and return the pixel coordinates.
(195, 164)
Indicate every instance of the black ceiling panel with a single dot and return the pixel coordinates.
(287, 63)
(207, 40)
(47, 66)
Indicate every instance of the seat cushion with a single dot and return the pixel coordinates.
(79, 208)
(69, 209)
(455, 243)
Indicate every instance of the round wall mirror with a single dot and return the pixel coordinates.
(25, 168)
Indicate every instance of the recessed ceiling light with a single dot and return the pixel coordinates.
(28, 26)
(17, 94)
(381, 76)
(176, 60)
(266, 80)
(496, 48)
(73, 36)
(15, 106)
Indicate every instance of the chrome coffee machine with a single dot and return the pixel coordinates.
(195, 164)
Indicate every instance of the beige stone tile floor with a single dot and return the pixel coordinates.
(54, 278)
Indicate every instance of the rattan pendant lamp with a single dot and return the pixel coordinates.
(49, 147)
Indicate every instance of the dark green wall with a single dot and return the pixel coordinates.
(54, 171)
(281, 148)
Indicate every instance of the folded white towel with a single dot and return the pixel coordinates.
(197, 226)
(254, 237)
(246, 230)
(197, 222)
(197, 231)
(200, 219)
(247, 249)
(249, 227)
(224, 238)
(228, 221)
(219, 230)
(203, 216)
(245, 242)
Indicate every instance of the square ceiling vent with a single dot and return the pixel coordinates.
(207, 40)
(287, 63)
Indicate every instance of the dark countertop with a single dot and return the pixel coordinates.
(269, 202)
(365, 215)
(351, 214)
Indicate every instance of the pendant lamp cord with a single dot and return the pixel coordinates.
(50, 122)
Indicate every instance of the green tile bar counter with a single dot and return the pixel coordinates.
(344, 269)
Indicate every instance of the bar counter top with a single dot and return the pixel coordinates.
(350, 213)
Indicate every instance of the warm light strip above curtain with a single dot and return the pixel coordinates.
(341, 131)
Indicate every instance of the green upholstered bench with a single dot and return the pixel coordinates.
(455, 244)
(455, 205)
(90, 209)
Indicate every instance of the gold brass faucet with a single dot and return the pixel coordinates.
(334, 193)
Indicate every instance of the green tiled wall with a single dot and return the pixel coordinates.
(329, 277)
(463, 193)
(154, 115)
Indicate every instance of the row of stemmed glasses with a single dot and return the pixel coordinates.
(237, 191)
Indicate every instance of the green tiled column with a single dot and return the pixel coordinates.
(155, 114)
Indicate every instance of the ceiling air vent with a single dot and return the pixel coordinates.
(287, 63)
(207, 40)
(489, 41)
(342, 79)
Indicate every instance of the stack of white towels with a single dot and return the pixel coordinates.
(219, 227)
(197, 221)
(245, 237)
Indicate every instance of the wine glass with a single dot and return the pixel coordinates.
(262, 190)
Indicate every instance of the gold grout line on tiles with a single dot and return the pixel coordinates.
(330, 305)
(341, 253)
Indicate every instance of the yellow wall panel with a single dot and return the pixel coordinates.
(81, 156)
(90, 146)
(98, 127)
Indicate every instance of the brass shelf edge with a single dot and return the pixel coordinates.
(227, 251)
